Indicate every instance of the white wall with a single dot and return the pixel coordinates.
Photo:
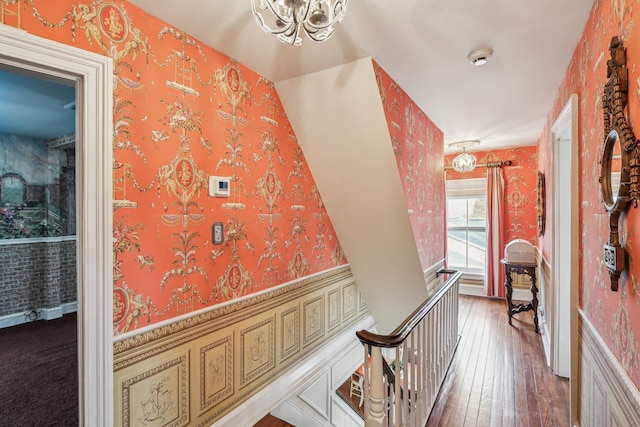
(338, 117)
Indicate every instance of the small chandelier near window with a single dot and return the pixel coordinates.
(464, 162)
(288, 17)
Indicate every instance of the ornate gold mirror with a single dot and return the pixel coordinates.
(619, 173)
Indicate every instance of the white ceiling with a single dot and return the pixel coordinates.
(423, 45)
(35, 107)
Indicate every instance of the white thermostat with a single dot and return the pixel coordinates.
(219, 186)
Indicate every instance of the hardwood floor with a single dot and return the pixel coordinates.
(271, 421)
(498, 376)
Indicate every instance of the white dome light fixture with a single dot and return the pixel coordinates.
(287, 19)
(480, 56)
(464, 162)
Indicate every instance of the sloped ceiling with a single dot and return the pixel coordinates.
(355, 169)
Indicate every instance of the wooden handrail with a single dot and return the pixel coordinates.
(401, 333)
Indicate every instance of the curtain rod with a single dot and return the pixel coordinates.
(497, 164)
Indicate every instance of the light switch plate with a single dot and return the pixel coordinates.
(218, 233)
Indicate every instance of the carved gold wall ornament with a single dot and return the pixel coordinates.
(620, 172)
(541, 204)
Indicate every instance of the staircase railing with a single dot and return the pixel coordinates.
(420, 351)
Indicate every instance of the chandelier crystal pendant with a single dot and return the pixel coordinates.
(464, 162)
(287, 18)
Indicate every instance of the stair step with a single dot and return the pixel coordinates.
(271, 421)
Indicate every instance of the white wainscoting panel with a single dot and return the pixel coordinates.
(607, 396)
(308, 406)
(342, 415)
(317, 396)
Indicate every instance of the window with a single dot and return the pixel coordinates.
(466, 225)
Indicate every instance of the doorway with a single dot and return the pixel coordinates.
(565, 244)
(91, 74)
(38, 246)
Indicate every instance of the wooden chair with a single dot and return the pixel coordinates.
(357, 386)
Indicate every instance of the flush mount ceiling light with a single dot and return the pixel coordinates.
(480, 57)
(286, 18)
(464, 162)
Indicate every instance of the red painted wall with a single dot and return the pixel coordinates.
(616, 315)
(520, 192)
(182, 112)
(418, 147)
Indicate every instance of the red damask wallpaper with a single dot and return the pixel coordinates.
(520, 192)
(616, 315)
(183, 112)
(418, 147)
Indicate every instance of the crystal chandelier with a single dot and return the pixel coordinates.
(464, 162)
(288, 17)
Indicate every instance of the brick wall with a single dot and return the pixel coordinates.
(37, 275)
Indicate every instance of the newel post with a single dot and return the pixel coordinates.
(377, 407)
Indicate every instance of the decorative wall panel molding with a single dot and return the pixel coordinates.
(158, 396)
(607, 396)
(290, 336)
(212, 362)
(313, 320)
(545, 306)
(257, 349)
(349, 301)
(216, 371)
(334, 308)
(227, 314)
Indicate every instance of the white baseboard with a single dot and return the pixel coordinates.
(51, 313)
(479, 291)
(546, 335)
(295, 415)
(472, 290)
(42, 314)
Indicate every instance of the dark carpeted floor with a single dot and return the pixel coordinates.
(39, 374)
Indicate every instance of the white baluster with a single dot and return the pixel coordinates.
(397, 387)
(365, 371)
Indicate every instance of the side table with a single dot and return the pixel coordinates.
(521, 268)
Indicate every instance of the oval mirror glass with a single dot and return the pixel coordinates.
(616, 167)
(613, 174)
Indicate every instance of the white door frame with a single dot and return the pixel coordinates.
(565, 246)
(92, 75)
